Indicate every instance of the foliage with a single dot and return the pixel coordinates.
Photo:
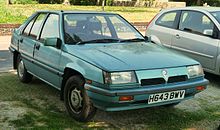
(18, 13)
(194, 2)
(188, 2)
(212, 2)
(24, 1)
(83, 2)
(50, 1)
(109, 2)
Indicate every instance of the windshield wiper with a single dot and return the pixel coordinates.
(98, 41)
(133, 40)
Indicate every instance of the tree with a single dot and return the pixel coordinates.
(8, 2)
(98, 2)
(103, 5)
(198, 2)
(191, 2)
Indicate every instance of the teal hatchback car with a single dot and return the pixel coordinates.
(99, 60)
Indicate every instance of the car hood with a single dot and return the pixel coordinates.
(129, 56)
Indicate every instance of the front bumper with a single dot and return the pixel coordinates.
(108, 100)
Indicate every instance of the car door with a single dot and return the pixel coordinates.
(196, 38)
(28, 40)
(163, 28)
(47, 58)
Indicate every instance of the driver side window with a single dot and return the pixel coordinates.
(51, 27)
(196, 22)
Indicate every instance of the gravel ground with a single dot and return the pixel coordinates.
(134, 119)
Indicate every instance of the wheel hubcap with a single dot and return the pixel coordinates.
(76, 100)
(21, 69)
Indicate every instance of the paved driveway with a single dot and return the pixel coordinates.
(5, 55)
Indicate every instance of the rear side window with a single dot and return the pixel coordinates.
(167, 19)
(28, 27)
(37, 24)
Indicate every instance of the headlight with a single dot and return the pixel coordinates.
(120, 77)
(195, 71)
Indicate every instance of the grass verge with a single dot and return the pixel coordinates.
(37, 106)
(19, 13)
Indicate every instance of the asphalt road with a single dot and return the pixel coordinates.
(5, 55)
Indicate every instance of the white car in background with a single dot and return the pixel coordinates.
(194, 31)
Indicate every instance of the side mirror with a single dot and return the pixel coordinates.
(146, 38)
(54, 42)
(208, 32)
(153, 39)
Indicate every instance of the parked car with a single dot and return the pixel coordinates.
(194, 31)
(99, 60)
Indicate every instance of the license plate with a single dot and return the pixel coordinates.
(166, 96)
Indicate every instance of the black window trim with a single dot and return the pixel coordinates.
(176, 20)
(214, 29)
(33, 18)
(35, 37)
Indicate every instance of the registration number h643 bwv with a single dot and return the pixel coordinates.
(166, 96)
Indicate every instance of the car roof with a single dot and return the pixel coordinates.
(73, 11)
(197, 8)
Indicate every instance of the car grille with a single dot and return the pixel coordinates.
(175, 79)
(153, 81)
(156, 81)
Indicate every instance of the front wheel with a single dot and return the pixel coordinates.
(22, 73)
(76, 100)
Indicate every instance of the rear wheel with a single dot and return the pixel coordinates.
(76, 100)
(22, 73)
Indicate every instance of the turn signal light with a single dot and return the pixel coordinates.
(126, 98)
(200, 88)
(89, 81)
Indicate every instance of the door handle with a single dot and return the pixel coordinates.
(21, 40)
(37, 46)
(177, 36)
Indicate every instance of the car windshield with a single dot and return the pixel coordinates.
(216, 15)
(98, 28)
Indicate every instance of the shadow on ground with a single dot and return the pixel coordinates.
(5, 61)
(213, 79)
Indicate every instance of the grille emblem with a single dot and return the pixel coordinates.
(165, 75)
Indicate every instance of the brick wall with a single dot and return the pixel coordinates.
(168, 4)
(157, 4)
(6, 29)
(141, 26)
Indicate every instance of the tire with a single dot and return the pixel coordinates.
(22, 73)
(76, 100)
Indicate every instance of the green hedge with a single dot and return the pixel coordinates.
(24, 2)
(83, 2)
(212, 2)
(74, 2)
(50, 1)
(194, 2)
(109, 2)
